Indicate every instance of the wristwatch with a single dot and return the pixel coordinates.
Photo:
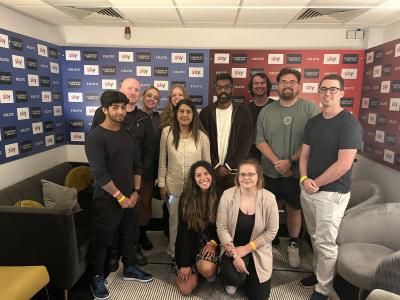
(292, 161)
(138, 191)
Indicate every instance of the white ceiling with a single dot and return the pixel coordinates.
(212, 13)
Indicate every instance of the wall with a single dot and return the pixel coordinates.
(17, 170)
(193, 38)
(217, 38)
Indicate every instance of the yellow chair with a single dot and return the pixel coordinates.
(79, 178)
(22, 283)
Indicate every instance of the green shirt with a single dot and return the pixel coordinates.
(282, 128)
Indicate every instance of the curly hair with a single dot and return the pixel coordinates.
(193, 210)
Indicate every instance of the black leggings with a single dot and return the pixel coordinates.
(253, 288)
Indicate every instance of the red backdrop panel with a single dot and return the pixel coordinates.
(313, 65)
(380, 105)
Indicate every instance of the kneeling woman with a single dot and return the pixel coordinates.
(196, 248)
(247, 222)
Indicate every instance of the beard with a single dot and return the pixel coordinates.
(224, 97)
(287, 94)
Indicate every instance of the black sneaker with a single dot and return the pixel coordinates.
(99, 289)
(140, 258)
(136, 274)
(309, 282)
(318, 296)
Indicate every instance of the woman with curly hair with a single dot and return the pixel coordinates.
(196, 248)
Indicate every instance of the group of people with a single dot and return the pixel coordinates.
(222, 174)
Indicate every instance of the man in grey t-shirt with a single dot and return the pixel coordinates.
(279, 137)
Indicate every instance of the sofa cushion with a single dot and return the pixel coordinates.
(28, 203)
(58, 196)
(31, 188)
(357, 263)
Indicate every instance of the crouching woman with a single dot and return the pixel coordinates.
(196, 247)
(247, 222)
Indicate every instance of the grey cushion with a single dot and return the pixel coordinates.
(382, 295)
(357, 263)
(59, 196)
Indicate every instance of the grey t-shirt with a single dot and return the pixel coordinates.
(283, 128)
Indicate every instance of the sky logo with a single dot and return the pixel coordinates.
(33, 80)
(388, 156)
(4, 41)
(42, 50)
(75, 97)
(377, 71)
(275, 59)
(11, 150)
(77, 136)
(37, 128)
(221, 58)
(349, 73)
(6, 96)
(49, 140)
(331, 59)
(73, 55)
(46, 96)
(370, 57)
(239, 72)
(310, 87)
(196, 72)
(125, 56)
(394, 104)
(108, 84)
(385, 86)
(18, 62)
(90, 110)
(178, 58)
(143, 71)
(162, 85)
(57, 111)
(54, 68)
(91, 70)
(23, 113)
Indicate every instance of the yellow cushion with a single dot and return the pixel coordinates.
(79, 178)
(22, 283)
(28, 203)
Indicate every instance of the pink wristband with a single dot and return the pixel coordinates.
(116, 193)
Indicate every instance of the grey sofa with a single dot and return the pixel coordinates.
(55, 238)
(368, 241)
(363, 193)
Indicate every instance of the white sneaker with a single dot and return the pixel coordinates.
(212, 278)
(230, 289)
(293, 254)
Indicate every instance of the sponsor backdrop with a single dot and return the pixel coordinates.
(380, 104)
(31, 111)
(313, 65)
(87, 72)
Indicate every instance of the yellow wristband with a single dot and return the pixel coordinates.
(302, 179)
(214, 243)
(120, 200)
(253, 246)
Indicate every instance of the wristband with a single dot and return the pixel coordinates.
(302, 179)
(120, 200)
(253, 246)
(116, 193)
(214, 243)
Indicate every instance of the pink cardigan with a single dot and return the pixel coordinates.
(266, 226)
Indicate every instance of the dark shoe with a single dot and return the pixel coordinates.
(99, 289)
(318, 296)
(309, 282)
(140, 258)
(136, 274)
(144, 240)
(276, 241)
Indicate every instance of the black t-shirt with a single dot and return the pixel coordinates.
(244, 228)
(255, 111)
(325, 138)
(110, 158)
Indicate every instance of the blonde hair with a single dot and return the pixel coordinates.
(257, 166)
(167, 115)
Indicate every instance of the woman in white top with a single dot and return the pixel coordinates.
(181, 145)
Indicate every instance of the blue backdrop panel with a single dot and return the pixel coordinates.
(89, 71)
(30, 96)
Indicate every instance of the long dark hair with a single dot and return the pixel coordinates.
(195, 126)
(192, 209)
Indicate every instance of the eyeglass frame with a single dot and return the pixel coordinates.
(291, 83)
(247, 175)
(324, 90)
(224, 88)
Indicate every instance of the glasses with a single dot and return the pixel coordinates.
(332, 90)
(225, 87)
(289, 83)
(248, 175)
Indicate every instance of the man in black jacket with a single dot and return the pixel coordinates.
(230, 129)
(139, 126)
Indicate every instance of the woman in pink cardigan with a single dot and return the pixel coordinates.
(247, 222)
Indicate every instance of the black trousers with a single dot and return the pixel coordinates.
(253, 288)
(109, 218)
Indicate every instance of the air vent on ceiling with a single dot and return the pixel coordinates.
(340, 14)
(82, 12)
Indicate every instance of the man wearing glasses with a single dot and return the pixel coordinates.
(331, 141)
(230, 130)
(280, 129)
